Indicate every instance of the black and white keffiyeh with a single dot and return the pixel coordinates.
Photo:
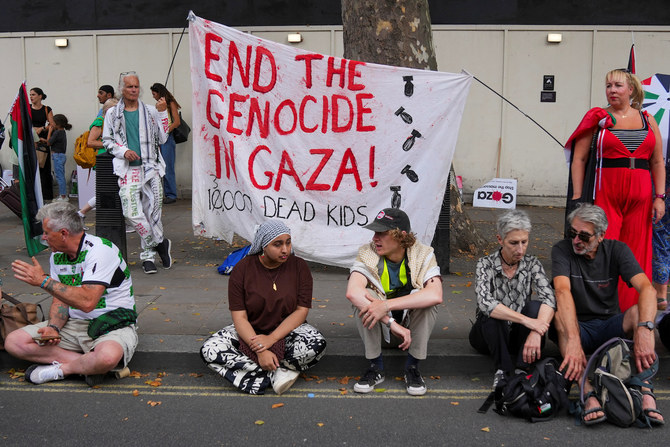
(266, 233)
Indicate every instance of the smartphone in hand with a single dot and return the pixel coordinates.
(44, 339)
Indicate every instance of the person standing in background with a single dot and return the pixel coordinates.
(159, 91)
(58, 143)
(42, 117)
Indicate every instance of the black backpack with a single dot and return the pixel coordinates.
(537, 395)
(610, 370)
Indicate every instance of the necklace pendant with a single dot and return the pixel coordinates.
(274, 286)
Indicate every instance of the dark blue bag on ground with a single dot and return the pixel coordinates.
(227, 267)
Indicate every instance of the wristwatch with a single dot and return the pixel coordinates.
(648, 324)
(391, 320)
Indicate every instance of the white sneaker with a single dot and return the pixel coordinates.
(44, 373)
(283, 379)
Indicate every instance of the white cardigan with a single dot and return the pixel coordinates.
(153, 132)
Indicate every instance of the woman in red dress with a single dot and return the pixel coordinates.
(629, 147)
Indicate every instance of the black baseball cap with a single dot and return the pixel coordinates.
(389, 219)
(107, 89)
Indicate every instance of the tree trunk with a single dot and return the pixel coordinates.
(399, 33)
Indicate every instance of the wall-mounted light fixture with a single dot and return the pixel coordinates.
(295, 38)
(61, 43)
(554, 37)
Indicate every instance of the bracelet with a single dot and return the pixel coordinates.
(53, 326)
(45, 281)
(659, 196)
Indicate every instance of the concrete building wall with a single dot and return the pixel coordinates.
(495, 139)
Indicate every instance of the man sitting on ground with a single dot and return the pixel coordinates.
(395, 287)
(586, 270)
(91, 326)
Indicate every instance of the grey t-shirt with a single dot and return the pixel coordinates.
(594, 282)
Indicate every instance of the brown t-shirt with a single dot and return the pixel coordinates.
(250, 289)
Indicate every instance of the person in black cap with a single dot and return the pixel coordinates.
(105, 92)
(394, 287)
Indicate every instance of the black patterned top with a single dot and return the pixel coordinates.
(494, 287)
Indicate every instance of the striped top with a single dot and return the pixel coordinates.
(632, 138)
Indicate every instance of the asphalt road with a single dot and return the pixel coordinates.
(192, 408)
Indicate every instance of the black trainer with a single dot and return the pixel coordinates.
(149, 267)
(163, 249)
(414, 382)
(371, 377)
(94, 379)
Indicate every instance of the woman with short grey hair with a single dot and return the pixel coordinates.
(509, 326)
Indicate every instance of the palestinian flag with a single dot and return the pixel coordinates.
(29, 176)
(657, 103)
(631, 59)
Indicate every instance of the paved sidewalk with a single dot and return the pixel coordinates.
(180, 307)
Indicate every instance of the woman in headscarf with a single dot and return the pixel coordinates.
(269, 297)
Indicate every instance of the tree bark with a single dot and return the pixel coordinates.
(399, 33)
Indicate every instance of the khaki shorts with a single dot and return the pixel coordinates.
(74, 337)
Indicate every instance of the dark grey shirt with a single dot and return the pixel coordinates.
(594, 282)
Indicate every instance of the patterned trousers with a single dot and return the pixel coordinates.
(142, 203)
(304, 346)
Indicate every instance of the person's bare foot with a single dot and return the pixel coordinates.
(590, 404)
(649, 405)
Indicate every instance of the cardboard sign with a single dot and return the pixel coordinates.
(497, 193)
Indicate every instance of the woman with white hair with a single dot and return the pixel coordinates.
(269, 297)
(510, 326)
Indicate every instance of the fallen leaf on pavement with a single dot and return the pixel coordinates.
(486, 429)
(320, 424)
(153, 403)
(279, 405)
(435, 377)
(259, 422)
(195, 375)
(454, 403)
(136, 393)
(345, 380)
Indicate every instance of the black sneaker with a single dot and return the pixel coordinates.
(498, 376)
(149, 267)
(163, 250)
(371, 377)
(414, 382)
(94, 379)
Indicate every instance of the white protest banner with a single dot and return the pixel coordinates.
(321, 142)
(496, 193)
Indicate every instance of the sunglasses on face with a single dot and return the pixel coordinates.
(583, 235)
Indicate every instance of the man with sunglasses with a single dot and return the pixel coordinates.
(586, 270)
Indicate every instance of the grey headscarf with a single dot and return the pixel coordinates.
(266, 233)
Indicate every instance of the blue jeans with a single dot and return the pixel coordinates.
(169, 181)
(59, 170)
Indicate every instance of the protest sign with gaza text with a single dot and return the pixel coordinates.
(319, 141)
